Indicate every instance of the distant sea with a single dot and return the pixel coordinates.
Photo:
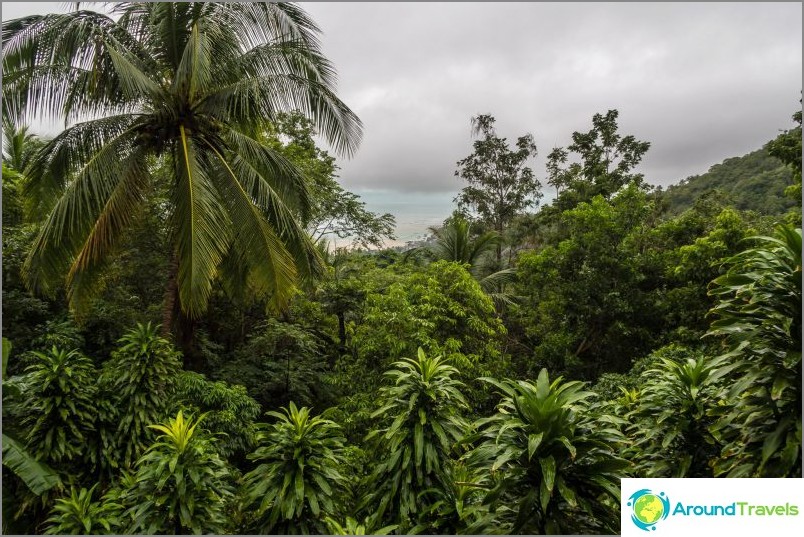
(414, 211)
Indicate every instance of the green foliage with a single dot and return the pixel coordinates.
(454, 242)
(673, 416)
(583, 302)
(37, 476)
(787, 148)
(137, 381)
(607, 160)
(689, 251)
(552, 459)
(228, 412)
(299, 481)
(6, 352)
(754, 182)
(442, 309)
(24, 316)
(353, 527)
(62, 409)
(333, 211)
(759, 316)
(500, 185)
(181, 483)
(79, 515)
(456, 507)
(420, 423)
(280, 362)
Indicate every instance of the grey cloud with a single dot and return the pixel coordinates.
(701, 82)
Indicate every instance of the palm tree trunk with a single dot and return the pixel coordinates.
(171, 303)
(175, 325)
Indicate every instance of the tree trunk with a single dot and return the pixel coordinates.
(499, 245)
(171, 303)
(176, 326)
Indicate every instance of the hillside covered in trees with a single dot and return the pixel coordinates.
(183, 351)
(753, 182)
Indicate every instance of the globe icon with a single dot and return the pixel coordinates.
(648, 509)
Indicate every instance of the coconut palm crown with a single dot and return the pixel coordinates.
(172, 98)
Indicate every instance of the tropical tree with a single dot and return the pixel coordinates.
(188, 86)
(421, 423)
(455, 242)
(607, 160)
(19, 146)
(553, 462)
(181, 484)
(442, 309)
(759, 316)
(299, 481)
(500, 184)
(787, 148)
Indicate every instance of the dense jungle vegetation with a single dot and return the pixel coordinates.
(183, 353)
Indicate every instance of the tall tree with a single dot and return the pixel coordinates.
(500, 185)
(604, 164)
(189, 86)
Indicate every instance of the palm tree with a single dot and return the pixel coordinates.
(454, 242)
(19, 145)
(187, 88)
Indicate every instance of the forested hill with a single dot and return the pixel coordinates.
(755, 181)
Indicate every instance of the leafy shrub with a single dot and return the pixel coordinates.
(552, 460)
(181, 483)
(673, 416)
(137, 381)
(298, 481)
(228, 411)
(759, 316)
(421, 423)
(77, 514)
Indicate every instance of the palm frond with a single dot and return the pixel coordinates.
(54, 63)
(241, 102)
(65, 230)
(271, 265)
(258, 23)
(115, 217)
(203, 231)
(51, 167)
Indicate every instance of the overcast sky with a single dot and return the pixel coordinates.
(701, 81)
